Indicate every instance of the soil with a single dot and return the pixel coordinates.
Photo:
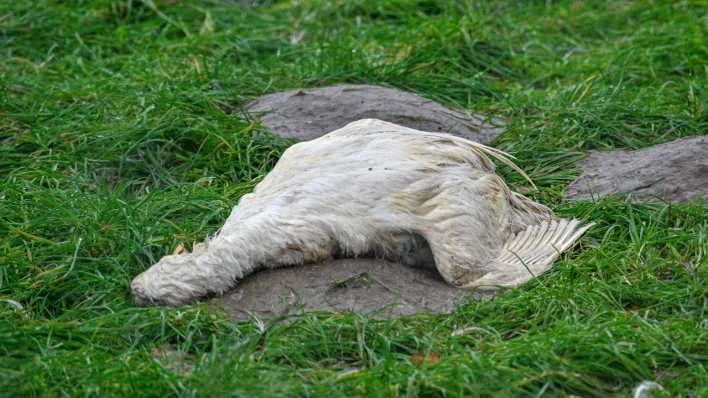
(377, 288)
(676, 171)
(310, 113)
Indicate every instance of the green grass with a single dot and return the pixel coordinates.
(122, 134)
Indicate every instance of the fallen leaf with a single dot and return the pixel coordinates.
(425, 358)
(179, 250)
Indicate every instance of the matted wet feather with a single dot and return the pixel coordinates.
(374, 188)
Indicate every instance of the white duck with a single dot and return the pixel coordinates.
(374, 188)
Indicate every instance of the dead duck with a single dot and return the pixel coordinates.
(374, 188)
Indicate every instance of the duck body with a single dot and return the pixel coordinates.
(373, 188)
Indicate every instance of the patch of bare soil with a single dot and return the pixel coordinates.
(676, 171)
(378, 288)
(310, 113)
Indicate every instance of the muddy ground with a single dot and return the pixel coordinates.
(374, 287)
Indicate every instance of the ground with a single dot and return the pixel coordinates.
(122, 136)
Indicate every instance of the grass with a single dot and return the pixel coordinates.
(122, 134)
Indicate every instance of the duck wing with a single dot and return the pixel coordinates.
(530, 253)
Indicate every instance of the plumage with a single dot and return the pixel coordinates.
(374, 188)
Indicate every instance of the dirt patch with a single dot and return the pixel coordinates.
(377, 288)
(310, 113)
(675, 171)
